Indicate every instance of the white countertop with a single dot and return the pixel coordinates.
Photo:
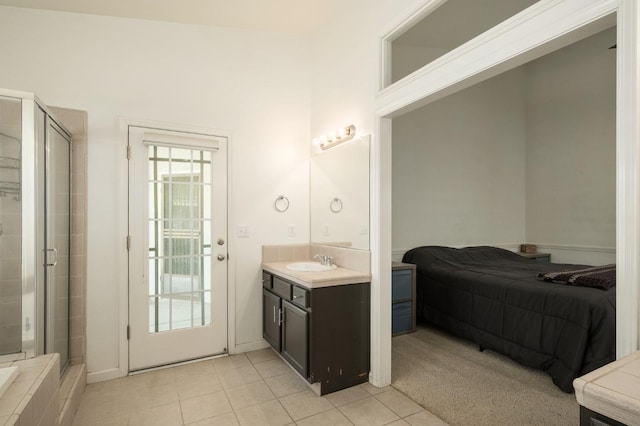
(613, 390)
(338, 276)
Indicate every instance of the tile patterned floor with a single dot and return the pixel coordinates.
(256, 388)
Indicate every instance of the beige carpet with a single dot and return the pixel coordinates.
(454, 380)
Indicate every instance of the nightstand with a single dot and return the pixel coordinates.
(403, 298)
(538, 257)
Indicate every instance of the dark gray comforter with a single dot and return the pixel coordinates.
(492, 296)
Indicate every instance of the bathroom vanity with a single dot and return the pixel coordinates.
(319, 323)
(610, 395)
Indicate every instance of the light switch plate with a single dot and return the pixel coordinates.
(243, 231)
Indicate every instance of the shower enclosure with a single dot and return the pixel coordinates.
(35, 184)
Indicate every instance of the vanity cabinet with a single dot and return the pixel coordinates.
(323, 333)
(592, 418)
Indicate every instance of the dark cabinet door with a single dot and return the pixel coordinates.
(271, 319)
(339, 330)
(295, 336)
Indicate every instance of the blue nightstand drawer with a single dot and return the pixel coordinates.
(401, 318)
(401, 284)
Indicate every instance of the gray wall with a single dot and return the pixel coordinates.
(571, 145)
(528, 156)
(458, 168)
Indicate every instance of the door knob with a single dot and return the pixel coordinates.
(221, 257)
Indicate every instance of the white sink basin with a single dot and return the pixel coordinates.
(310, 267)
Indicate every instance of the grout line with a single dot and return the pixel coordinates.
(263, 382)
(181, 411)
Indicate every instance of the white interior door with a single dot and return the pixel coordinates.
(177, 246)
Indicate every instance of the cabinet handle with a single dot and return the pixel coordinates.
(274, 314)
(46, 257)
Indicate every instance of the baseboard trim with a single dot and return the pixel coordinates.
(251, 346)
(114, 373)
(567, 247)
(101, 376)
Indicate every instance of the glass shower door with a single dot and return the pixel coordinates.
(57, 250)
(35, 213)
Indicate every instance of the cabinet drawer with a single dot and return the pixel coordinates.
(401, 318)
(401, 284)
(282, 288)
(267, 280)
(300, 297)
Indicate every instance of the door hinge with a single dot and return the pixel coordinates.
(128, 332)
(128, 242)
(128, 152)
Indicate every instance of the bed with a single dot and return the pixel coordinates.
(494, 297)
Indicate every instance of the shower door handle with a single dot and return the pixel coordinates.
(46, 257)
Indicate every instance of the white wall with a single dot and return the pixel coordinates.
(459, 168)
(571, 149)
(252, 84)
(345, 71)
(259, 86)
(345, 79)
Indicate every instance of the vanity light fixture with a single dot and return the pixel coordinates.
(338, 137)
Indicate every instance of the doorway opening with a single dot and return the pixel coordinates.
(487, 58)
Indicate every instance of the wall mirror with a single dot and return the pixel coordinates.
(339, 198)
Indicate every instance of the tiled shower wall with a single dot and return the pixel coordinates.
(10, 276)
(10, 232)
(76, 122)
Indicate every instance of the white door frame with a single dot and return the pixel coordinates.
(123, 219)
(560, 22)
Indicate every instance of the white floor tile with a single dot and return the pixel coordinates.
(256, 388)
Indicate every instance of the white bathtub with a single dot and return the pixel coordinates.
(7, 376)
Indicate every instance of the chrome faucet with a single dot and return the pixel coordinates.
(323, 259)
